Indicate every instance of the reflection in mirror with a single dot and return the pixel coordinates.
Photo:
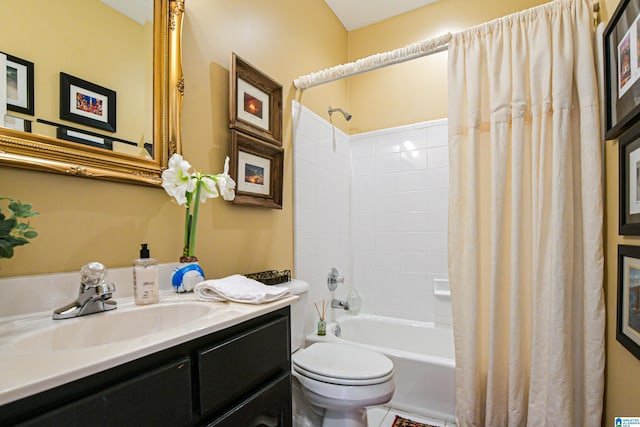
(105, 87)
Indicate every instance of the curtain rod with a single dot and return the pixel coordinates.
(373, 62)
(380, 60)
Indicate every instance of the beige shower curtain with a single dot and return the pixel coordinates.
(525, 220)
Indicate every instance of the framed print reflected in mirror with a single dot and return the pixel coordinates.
(87, 103)
(20, 83)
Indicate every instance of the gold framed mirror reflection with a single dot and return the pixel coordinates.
(47, 152)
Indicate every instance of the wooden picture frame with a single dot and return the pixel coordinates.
(629, 182)
(257, 167)
(20, 75)
(622, 68)
(255, 102)
(628, 301)
(87, 103)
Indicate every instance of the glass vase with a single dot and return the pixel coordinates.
(322, 327)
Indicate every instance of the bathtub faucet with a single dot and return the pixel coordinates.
(336, 303)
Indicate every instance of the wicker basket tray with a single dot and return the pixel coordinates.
(271, 277)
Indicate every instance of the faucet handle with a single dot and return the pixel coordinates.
(333, 279)
(92, 274)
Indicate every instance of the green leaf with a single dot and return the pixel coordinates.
(30, 234)
(14, 241)
(7, 225)
(22, 226)
(6, 250)
(21, 210)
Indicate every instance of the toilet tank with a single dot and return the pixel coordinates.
(301, 289)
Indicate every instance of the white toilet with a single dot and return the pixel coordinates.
(337, 381)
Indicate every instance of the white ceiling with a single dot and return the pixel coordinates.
(359, 13)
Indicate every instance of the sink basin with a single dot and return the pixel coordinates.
(110, 327)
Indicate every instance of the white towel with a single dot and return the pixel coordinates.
(238, 288)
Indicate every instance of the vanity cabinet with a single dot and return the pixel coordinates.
(239, 376)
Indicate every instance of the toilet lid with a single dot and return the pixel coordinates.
(342, 364)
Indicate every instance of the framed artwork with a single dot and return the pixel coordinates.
(17, 123)
(255, 102)
(20, 78)
(87, 103)
(75, 135)
(257, 168)
(622, 68)
(628, 301)
(629, 182)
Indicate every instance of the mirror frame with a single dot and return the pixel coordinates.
(43, 153)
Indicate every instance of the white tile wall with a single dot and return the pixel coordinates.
(373, 205)
(395, 263)
(322, 205)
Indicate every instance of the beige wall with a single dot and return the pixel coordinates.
(83, 219)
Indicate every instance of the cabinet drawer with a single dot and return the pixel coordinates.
(235, 368)
(158, 397)
(271, 407)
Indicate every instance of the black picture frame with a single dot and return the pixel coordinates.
(622, 83)
(17, 67)
(629, 182)
(92, 140)
(628, 299)
(93, 105)
(249, 153)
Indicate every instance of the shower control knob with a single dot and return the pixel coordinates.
(333, 279)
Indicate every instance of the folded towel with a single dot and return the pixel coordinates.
(238, 288)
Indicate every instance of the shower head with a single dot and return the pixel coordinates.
(346, 115)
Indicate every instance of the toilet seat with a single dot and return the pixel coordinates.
(342, 364)
(341, 381)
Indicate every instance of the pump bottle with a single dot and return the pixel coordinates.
(145, 278)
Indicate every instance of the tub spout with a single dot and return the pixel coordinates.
(336, 303)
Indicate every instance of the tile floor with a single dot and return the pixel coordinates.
(382, 416)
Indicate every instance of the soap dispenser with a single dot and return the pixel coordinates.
(145, 278)
(354, 300)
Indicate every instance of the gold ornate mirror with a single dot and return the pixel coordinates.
(108, 112)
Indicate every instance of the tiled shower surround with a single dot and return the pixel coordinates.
(373, 205)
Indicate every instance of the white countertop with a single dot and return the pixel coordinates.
(24, 372)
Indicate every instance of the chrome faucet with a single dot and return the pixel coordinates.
(94, 296)
(337, 303)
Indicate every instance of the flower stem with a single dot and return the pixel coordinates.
(187, 229)
(194, 219)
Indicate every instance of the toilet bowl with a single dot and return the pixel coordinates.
(333, 383)
(340, 381)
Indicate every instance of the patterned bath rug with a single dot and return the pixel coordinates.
(404, 422)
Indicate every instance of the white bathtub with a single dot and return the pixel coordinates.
(422, 354)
